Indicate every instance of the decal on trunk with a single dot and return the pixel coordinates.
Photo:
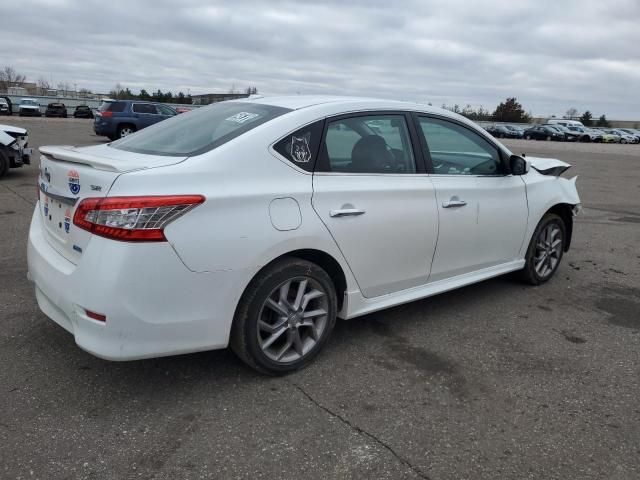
(74, 181)
(67, 220)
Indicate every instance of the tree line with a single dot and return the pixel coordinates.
(124, 93)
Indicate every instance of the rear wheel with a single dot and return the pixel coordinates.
(623, 140)
(528, 137)
(545, 250)
(548, 138)
(285, 317)
(125, 130)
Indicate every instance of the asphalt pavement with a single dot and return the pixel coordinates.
(496, 380)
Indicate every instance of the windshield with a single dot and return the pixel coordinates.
(28, 102)
(200, 130)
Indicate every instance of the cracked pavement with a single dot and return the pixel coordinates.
(495, 380)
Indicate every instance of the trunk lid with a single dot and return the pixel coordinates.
(70, 174)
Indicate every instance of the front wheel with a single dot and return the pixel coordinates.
(545, 250)
(285, 317)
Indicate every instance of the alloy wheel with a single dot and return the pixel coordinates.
(125, 132)
(293, 319)
(548, 250)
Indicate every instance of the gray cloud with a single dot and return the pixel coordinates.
(551, 55)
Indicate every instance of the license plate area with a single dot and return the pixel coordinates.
(57, 215)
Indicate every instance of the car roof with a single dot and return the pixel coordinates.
(297, 102)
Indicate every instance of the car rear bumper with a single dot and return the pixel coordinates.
(154, 305)
(104, 129)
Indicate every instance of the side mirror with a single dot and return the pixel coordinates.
(519, 165)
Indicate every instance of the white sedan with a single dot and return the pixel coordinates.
(256, 223)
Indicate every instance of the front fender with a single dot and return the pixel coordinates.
(544, 193)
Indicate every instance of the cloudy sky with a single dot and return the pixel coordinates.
(551, 55)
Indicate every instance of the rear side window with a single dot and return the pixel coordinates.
(144, 108)
(113, 107)
(368, 144)
(202, 130)
(301, 147)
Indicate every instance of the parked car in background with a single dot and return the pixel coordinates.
(564, 122)
(633, 132)
(625, 137)
(5, 108)
(56, 110)
(543, 132)
(29, 107)
(569, 136)
(119, 118)
(502, 131)
(236, 225)
(14, 149)
(83, 111)
(518, 129)
(183, 109)
(609, 137)
(587, 134)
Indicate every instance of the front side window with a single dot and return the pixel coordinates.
(368, 144)
(165, 110)
(456, 150)
(202, 130)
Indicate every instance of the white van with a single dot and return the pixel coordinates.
(564, 122)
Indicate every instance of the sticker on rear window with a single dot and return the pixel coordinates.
(74, 181)
(300, 150)
(242, 117)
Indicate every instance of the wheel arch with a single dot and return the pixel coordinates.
(565, 212)
(321, 258)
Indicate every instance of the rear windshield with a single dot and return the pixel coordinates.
(112, 107)
(200, 130)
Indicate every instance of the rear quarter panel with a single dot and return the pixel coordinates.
(233, 230)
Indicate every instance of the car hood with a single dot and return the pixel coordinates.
(549, 166)
(10, 129)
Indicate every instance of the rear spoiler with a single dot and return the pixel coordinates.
(68, 153)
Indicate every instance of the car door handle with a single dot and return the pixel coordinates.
(454, 203)
(346, 212)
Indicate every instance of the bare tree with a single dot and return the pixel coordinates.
(43, 86)
(9, 78)
(233, 89)
(65, 87)
(571, 113)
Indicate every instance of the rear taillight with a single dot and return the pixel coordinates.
(133, 219)
(106, 113)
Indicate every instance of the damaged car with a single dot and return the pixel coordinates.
(256, 223)
(14, 150)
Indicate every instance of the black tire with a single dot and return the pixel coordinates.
(244, 331)
(548, 138)
(4, 164)
(529, 273)
(528, 137)
(125, 129)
